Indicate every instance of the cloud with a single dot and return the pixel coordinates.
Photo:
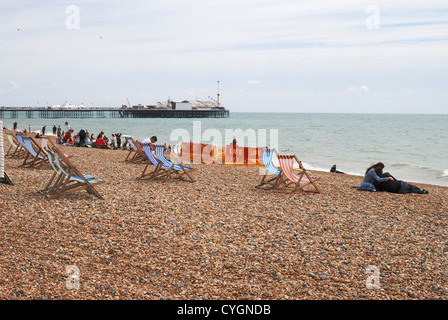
(14, 87)
(353, 90)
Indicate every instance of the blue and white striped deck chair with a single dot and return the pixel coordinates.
(71, 178)
(35, 157)
(160, 170)
(268, 182)
(58, 173)
(175, 171)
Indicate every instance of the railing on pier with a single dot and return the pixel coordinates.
(111, 113)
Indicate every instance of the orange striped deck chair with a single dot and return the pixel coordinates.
(295, 180)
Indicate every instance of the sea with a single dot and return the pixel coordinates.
(413, 147)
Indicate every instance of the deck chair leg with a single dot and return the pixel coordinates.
(6, 179)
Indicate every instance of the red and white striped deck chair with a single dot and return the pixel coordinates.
(298, 180)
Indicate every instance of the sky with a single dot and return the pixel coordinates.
(345, 56)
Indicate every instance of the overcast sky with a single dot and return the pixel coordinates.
(268, 56)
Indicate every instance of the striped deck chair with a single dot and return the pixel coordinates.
(15, 150)
(70, 178)
(293, 180)
(272, 173)
(35, 157)
(175, 171)
(134, 155)
(160, 169)
(57, 175)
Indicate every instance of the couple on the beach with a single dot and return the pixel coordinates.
(376, 180)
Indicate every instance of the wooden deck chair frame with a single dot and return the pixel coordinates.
(174, 171)
(272, 173)
(134, 155)
(293, 181)
(160, 169)
(16, 150)
(71, 179)
(36, 157)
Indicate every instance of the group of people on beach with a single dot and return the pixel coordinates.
(85, 139)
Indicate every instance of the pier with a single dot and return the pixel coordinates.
(31, 113)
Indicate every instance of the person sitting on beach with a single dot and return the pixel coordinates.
(87, 140)
(333, 169)
(113, 142)
(100, 143)
(59, 138)
(371, 176)
(153, 139)
(150, 141)
(67, 138)
(81, 142)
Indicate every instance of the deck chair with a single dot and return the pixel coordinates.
(174, 171)
(70, 178)
(293, 181)
(160, 169)
(35, 157)
(134, 155)
(58, 174)
(15, 150)
(272, 173)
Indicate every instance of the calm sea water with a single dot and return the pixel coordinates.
(413, 147)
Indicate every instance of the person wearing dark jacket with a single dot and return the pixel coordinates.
(394, 185)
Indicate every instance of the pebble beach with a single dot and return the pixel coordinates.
(217, 238)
